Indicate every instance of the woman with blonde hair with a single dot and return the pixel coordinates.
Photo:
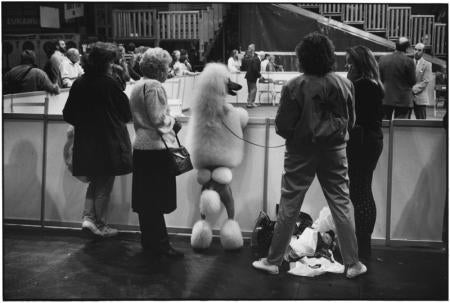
(154, 184)
(366, 141)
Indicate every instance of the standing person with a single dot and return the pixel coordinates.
(70, 68)
(253, 74)
(52, 67)
(99, 110)
(423, 77)
(234, 64)
(315, 112)
(366, 142)
(154, 190)
(264, 62)
(26, 77)
(398, 74)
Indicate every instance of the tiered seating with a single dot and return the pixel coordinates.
(199, 25)
(391, 22)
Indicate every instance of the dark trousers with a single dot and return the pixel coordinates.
(363, 152)
(420, 111)
(251, 92)
(154, 237)
(399, 112)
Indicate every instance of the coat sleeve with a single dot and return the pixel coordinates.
(427, 75)
(157, 110)
(351, 108)
(123, 106)
(70, 108)
(287, 115)
(410, 72)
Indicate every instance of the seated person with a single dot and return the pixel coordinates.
(70, 67)
(26, 77)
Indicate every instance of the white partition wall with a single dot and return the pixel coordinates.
(22, 168)
(419, 183)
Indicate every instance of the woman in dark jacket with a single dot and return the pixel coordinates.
(99, 110)
(154, 185)
(366, 141)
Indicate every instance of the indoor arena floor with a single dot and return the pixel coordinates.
(57, 264)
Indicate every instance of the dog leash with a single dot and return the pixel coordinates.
(249, 142)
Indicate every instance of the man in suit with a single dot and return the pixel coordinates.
(398, 74)
(423, 76)
(253, 74)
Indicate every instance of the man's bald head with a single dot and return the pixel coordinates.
(402, 44)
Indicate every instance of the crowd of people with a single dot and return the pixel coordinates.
(331, 124)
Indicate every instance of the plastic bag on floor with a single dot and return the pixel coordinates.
(325, 221)
(311, 267)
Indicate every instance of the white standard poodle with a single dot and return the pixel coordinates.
(214, 133)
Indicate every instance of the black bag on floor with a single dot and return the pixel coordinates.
(262, 235)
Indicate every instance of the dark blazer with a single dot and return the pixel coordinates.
(398, 75)
(253, 69)
(99, 110)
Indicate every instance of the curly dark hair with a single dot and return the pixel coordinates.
(315, 54)
(101, 55)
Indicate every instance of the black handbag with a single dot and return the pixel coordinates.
(180, 158)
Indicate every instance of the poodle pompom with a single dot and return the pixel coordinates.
(201, 236)
(243, 115)
(203, 176)
(231, 236)
(222, 175)
(209, 202)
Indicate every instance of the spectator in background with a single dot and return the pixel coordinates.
(398, 74)
(99, 110)
(366, 142)
(272, 66)
(264, 61)
(120, 69)
(184, 58)
(234, 64)
(70, 68)
(253, 64)
(52, 67)
(26, 77)
(315, 113)
(423, 77)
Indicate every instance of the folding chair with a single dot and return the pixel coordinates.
(277, 86)
(265, 86)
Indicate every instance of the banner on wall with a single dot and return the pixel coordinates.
(73, 10)
(49, 17)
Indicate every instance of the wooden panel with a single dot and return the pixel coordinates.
(440, 39)
(398, 25)
(421, 29)
(375, 17)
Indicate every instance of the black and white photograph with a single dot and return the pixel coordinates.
(224, 151)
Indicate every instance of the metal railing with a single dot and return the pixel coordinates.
(134, 23)
(375, 20)
(439, 39)
(421, 27)
(179, 25)
(398, 22)
(354, 14)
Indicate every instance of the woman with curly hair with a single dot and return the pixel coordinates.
(315, 113)
(366, 141)
(154, 185)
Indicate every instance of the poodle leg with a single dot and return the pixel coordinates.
(201, 236)
(231, 236)
(226, 196)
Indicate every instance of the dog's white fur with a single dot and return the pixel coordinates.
(213, 146)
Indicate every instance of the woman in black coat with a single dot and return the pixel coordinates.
(99, 110)
(366, 141)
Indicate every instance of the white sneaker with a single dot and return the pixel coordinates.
(265, 266)
(90, 226)
(108, 231)
(356, 270)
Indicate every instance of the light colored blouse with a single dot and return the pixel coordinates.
(151, 117)
(234, 65)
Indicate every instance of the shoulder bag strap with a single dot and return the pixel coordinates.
(162, 138)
